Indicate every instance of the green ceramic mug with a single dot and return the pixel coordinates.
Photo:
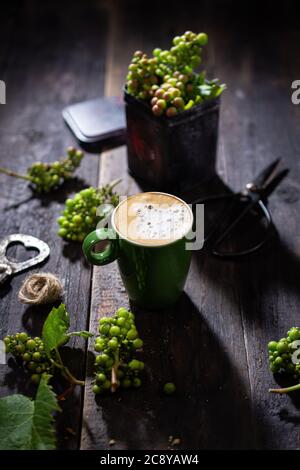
(148, 239)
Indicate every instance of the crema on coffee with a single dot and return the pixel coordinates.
(153, 219)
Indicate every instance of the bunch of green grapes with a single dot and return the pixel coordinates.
(31, 352)
(168, 81)
(116, 365)
(142, 77)
(45, 177)
(185, 54)
(80, 215)
(281, 354)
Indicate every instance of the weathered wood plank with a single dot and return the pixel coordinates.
(48, 62)
(269, 283)
(259, 123)
(214, 345)
(199, 344)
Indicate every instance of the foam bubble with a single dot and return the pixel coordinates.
(153, 218)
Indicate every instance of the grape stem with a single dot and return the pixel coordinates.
(115, 182)
(15, 175)
(114, 371)
(285, 390)
(65, 371)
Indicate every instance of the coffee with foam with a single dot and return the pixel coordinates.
(153, 219)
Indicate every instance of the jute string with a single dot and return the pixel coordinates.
(40, 288)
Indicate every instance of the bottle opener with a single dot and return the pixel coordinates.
(9, 268)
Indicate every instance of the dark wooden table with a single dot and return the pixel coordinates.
(213, 344)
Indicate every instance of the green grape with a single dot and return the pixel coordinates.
(169, 388)
(102, 360)
(109, 363)
(121, 321)
(26, 357)
(80, 215)
(202, 39)
(107, 385)
(134, 364)
(30, 344)
(161, 103)
(157, 111)
(282, 347)
(137, 343)
(136, 382)
(126, 383)
(45, 177)
(20, 348)
(282, 360)
(272, 346)
(170, 74)
(132, 334)
(178, 102)
(104, 329)
(97, 389)
(101, 377)
(294, 334)
(172, 111)
(113, 343)
(114, 331)
(31, 352)
(117, 341)
(36, 356)
(35, 378)
(104, 320)
(98, 347)
(278, 361)
(23, 337)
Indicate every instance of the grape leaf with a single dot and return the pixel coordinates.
(27, 424)
(16, 413)
(43, 433)
(55, 328)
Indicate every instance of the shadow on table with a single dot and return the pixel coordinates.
(34, 317)
(256, 280)
(60, 194)
(210, 408)
(73, 251)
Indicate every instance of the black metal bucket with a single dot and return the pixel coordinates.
(171, 154)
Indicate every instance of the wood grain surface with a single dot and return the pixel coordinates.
(46, 66)
(213, 343)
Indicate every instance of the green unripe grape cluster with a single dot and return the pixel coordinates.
(167, 79)
(117, 345)
(44, 177)
(30, 351)
(47, 176)
(281, 352)
(80, 215)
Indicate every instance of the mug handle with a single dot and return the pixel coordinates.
(109, 254)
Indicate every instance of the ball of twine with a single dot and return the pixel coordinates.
(40, 288)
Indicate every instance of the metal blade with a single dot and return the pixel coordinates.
(274, 183)
(266, 174)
